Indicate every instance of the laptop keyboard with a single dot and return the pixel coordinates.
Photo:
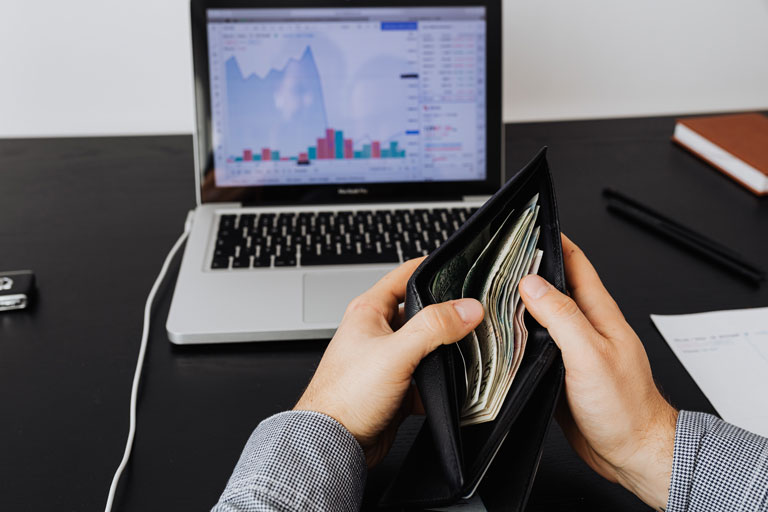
(307, 239)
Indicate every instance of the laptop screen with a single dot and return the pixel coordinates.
(347, 95)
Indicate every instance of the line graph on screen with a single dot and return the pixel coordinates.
(283, 116)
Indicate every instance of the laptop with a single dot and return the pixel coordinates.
(334, 140)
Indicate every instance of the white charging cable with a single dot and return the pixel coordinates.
(140, 362)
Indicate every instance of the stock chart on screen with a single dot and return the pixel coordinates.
(347, 95)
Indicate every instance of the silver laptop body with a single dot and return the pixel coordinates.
(269, 162)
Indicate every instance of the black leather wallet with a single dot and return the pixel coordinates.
(497, 459)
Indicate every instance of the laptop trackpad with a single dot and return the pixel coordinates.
(326, 294)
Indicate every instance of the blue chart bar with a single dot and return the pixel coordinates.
(275, 155)
(366, 151)
(399, 25)
(393, 151)
(339, 144)
(312, 153)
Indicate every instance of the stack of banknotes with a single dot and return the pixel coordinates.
(489, 270)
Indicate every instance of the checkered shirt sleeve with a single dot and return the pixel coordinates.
(297, 460)
(717, 467)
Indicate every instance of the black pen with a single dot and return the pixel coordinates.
(682, 235)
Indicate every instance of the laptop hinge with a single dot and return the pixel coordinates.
(475, 199)
(393, 201)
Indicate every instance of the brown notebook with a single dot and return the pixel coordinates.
(735, 144)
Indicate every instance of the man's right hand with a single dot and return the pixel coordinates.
(614, 416)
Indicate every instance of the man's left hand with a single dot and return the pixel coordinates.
(365, 374)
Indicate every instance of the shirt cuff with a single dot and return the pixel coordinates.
(717, 466)
(297, 460)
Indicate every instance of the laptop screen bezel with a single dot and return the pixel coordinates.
(208, 192)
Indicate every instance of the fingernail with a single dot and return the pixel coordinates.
(534, 286)
(469, 310)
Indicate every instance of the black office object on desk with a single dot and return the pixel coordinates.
(682, 235)
(65, 365)
(16, 289)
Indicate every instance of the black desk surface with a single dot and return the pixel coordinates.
(94, 217)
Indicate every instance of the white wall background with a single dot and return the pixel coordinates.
(84, 67)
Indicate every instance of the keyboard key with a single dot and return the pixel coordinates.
(265, 219)
(311, 259)
(246, 221)
(347, 259)
(285, 261)
(243, 261)
(227, 221)
(264, 260)
(220, 262)
(226, 247)
(285, 256)
(228, 233)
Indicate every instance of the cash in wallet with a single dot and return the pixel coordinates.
(493, 266)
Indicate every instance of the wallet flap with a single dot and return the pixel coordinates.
(464, 454)
(510, 476)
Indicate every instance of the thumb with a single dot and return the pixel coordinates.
(436, 325)
(558, 313)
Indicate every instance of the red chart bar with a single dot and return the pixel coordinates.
(284, 158)
(330, 143)
(303, 157)
(375, 149)
(247, 155)
(266, 154)
(348, 151)
(320, 149)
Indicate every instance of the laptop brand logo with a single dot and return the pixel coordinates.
(359, 191)
(6, 283)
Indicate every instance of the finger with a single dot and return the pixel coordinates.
(560, 315)
(417, 406)
(588, 291)
(383, 297)
(436, 325)
(399, 319)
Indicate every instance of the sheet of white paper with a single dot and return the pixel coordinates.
(726, 353)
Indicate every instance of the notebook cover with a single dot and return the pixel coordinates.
(745, 136)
